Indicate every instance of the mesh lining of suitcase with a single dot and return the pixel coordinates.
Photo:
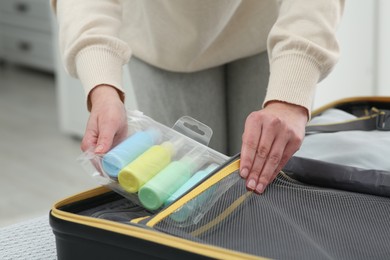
(290, 220)
(112, 207)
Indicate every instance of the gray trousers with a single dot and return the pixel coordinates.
(220, 97)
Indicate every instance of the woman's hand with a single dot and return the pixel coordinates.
(107, 123)
(271, 136)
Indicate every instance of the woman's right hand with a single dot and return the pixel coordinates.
(107, 123)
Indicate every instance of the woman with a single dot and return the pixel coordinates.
(248, 69)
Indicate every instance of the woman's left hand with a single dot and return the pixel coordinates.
(271, 136)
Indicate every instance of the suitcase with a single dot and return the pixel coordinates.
(219, 219)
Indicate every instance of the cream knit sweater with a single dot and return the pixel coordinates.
(98, 36)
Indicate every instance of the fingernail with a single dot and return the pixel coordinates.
(244, 173)
(99, 148)
(251, 184)
(260, 188)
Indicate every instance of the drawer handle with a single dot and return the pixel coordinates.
(21, 7)
(25, 46)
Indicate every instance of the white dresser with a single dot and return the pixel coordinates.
(25, 33)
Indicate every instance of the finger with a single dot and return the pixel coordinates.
(282, 150)
(269, 131)
(291, 147)
(250, 140)
(260, 188)
(266, 140)
(89, 142)
(120, 135)
(272, 163)
(105, 138)
(90, 137)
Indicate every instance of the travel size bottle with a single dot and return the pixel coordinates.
(192, 206)
(156, 191)
(147, 165)
(128, 150)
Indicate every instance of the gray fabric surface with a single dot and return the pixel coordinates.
(246, 81)
(363, 149)
(220, 97)
(30, 240)
(294, 221)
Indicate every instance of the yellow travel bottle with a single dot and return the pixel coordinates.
(147, 165)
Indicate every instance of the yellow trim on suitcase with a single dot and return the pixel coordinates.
(142, 233)
(234, 166)
(148, 234)
(221, 216)
(137, 220)
(383, 99)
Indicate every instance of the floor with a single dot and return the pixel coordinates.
(39, 163)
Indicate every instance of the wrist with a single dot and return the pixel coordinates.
(297, 109)
(102, 93)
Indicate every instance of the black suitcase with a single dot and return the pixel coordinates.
(219, 219)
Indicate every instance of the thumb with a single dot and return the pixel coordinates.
(105, 140)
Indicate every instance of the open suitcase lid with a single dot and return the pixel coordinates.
(349, 153)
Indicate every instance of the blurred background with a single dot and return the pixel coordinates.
(43, 112)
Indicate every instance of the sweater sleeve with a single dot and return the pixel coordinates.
(302, 49)
(89, 42)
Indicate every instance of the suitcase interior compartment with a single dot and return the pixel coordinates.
(79, 241)
(100, 224)
(305, 222)
(109, 206)
(358, 106)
